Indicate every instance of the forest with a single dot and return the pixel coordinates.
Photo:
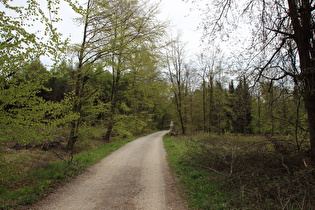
(129, 76)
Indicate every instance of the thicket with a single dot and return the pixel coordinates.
(242, 172)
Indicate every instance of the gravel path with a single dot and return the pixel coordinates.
(136, 176)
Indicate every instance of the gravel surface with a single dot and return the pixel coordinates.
(136, 176)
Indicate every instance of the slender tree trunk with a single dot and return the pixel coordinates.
(73, 135)
(191, 111)
(297, 120)
(180, 107)
(80, 81)
(180, 112)
(271, 111)
(259, 116)
(211, 104)
(310, 107)
(163, 117)
(204, 104)
(114, 98)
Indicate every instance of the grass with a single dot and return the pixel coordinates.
(26, 176)
(200, 185)
(241, 172)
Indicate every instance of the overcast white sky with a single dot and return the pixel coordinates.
(183, 19)
(176, 11)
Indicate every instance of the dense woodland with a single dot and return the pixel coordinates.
(127, 76)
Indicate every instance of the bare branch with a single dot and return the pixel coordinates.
(281, 32)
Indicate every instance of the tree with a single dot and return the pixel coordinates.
(131, 26)
(242, 107)
(175, 66)
(23, 113)
(142, 92)
(206, 65)
(284, 33)
(113, 30)
(58, 83)
(91, 50)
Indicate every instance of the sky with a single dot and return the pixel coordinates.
(185, 20)
(176, 11)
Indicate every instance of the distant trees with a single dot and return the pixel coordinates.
(242, 107)
(220, 105)
(283, 37)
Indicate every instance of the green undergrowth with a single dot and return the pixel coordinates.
(241, 172)
(200, 186)
(20, 187)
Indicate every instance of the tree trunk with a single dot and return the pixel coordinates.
(73, 136)
(309, 100)
(109, 131)
(211, 104)
(297, 120)
(204, 104)
(79, 87)
(114, 98)
(180, 112)
(302, 20)
(259, 116)
(271, 112)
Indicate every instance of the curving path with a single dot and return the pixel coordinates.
(136, 176)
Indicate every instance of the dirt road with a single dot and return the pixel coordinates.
(134, 177)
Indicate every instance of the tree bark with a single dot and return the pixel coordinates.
(302, 19)
(303, 34)
(204, 103)
(80, 81)
(114, 98)
(309, 99)
(211, 103)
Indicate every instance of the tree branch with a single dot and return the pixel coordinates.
(281, 32)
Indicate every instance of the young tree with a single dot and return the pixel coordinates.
(206, 64)
(175, 65)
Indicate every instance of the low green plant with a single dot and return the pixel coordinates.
(202, 189)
